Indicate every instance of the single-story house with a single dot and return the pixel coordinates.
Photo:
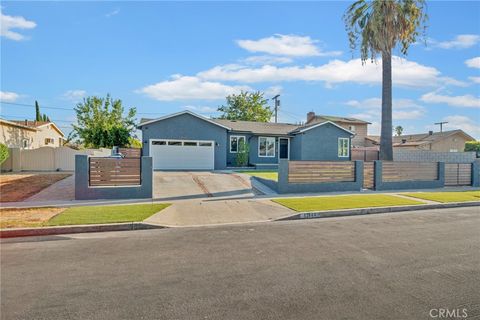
(445, 141)
(186, 140)
(27, 134)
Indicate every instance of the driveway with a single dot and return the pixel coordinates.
(177, 185)
(389, 266)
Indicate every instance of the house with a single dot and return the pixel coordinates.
(186, 140)
(357, 126)
(446, 141)
(27, 134)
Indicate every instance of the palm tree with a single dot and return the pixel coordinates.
(377, 27)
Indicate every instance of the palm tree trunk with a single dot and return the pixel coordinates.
(386, 149)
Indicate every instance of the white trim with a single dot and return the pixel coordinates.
(322, 123)
(230, 142)
(348, 148)
(288, 152)
(274, 147)
(179, 114)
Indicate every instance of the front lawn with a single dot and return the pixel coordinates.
(456, 196)
(265, 174)
(106, 214)
(18, 187)
(26, 217)
(343, 202)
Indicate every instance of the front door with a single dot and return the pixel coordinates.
(283, 152)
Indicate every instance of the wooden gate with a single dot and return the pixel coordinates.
(114, 172)
(368, 175)
(458, 174)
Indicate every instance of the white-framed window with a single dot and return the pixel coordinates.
(25, 143)
(266, 147)
(343, 147)
(351, 128)
(453, 150)
(234, 142)
(49, 141)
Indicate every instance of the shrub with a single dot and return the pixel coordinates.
(472, 146)
(4, 154)
(242, 154)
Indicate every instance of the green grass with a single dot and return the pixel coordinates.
(457, 196)
(265, 174)
(343, 202)
(105, 214)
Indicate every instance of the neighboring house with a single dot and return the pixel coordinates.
(446, 141)
(186, 140)
(30, 134)
(357, 126)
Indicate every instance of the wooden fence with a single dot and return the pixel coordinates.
(114, 171)
(321, 171)
(409, 171)
(131, 152)
(364, 155)
(458, 174)
(368, 175)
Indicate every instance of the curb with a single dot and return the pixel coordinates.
(365, 211)
(47, 231)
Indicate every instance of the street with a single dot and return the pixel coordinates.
(387, 266)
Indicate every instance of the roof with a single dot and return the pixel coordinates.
(18, 125)
(259, 127)
(321, 118)
(421, 138)
(315, 125)
(37, 124)
(179, 114)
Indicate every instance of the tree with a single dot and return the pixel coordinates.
(242, 154)
(382, 25)
(38, 115)
(4, 153)
(101, 123)
(398, 131)
(472, 146)
(247, 106)
(134, 143)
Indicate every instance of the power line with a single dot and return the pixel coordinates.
(31, 105)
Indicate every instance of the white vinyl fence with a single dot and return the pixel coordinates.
(47, 158)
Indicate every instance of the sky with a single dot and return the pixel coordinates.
(165, 57)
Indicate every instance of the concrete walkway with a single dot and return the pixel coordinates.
(216, 211)
(63, 190)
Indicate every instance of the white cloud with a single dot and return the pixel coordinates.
(461, 41)
(7, 96)
(112, 13)
(286, 45)
(74, 95)
(473, 63)
(405, 73)
(465, 123)
(201, 109)
(402, 109)
(187, 88)
(467, 100)
(475, 79)
(255, 60)
(7, 23)
(273, 91)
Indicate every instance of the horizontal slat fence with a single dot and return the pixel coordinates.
(368, 175)
(364, 155)
(131, 152)
(409, 171)
(114, 171)
(321, 171)
(458, 174)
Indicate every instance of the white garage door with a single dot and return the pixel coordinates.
(182, 154)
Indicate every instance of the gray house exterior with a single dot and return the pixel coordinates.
(186, 140)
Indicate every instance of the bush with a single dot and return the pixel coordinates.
(134, 143)
(472, 146)
(4, 154)
(242, 154)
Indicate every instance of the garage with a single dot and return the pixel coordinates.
(182, 154)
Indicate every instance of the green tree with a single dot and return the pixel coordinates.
(241, 159)
(377, 27)
(38, 115)
(472, 146)
(101, 123)
(247, 106)
(134, 143)
(4, 154)
(398, 131)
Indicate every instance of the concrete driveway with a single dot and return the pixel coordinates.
(177, 185)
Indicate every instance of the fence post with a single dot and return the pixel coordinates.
(82, 174)
(16, 154)
(441, 173)
(377, 174)
(475, 174)
(359, 173)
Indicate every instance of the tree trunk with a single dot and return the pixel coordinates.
(386, 149)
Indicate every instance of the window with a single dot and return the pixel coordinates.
(234, 142)
(351, 128)
(266, 147)
(25, 143)
(343, 147)
(174, 143)
(159, 143)
(453, 150)
(205, 144)
(49, 141)
(189, 144)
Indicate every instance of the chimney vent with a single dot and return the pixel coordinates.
(310, 116)
(26, 122)
(430, 132)
(404, 140)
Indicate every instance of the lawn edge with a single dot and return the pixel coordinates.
(374, 210)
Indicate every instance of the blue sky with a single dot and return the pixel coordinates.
(163, 57)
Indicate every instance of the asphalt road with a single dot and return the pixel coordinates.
(390, 266)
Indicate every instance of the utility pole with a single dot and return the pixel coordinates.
(277, 105)
(441, 125)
